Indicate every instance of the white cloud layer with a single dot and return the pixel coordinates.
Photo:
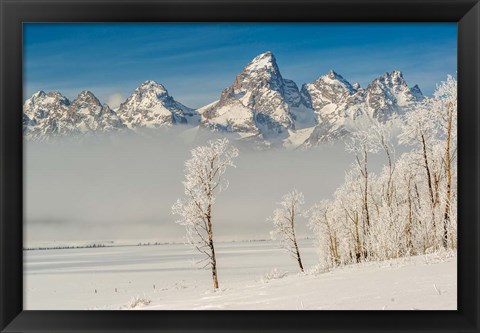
(123, 188)
(115, 100)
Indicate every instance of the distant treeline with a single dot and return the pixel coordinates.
(63, 247)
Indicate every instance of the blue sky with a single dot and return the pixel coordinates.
(196, 61)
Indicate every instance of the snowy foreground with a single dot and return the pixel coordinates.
(252, 275)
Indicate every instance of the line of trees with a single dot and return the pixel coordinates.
(408, 208)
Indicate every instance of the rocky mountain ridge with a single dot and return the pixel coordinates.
(260, 105)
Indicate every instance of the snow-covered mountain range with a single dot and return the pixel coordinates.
(51, 114)
(151, 106)
(260, 105)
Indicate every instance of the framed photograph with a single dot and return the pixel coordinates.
(238, 165)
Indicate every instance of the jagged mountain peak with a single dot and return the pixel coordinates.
(393, 83)
(147, 95)
(260, 101)
(260, 73)
(389, 95)
(151, 106)
(264, 60)
(42, 99)
(396, 73)
(328, 89)
(333, 78)
(38, 94)
(51, 114)
(337, 102)
(151, 89)
(54, 94)
(394, 77)
(333, 75)
(86, 93)
(260, 105)
(86, 98)
(153, 85)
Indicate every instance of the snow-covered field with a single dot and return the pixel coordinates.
(252, 275)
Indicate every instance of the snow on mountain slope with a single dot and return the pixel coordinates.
(92, 115)
(260, 106)
(150, 106)
(258, 102)
(234, 117)
(389, 95)
(52, 114)
(330, 95)
(298, 137)
(261, 102)
(338, 104)
(40, 106)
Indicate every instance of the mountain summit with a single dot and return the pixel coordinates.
(337, 103)
(150, 106)
(52, 114)
(260, 105)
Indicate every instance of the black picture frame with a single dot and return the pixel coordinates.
(16, 12)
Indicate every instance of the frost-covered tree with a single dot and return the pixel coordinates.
(364, 141)
(433, 129)
(409, 207)
(323, 223)
(420, 130)
(444, 106)
(204, 173)
(284, 219)
(411, 201)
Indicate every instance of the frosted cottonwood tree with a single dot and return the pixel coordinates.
(203, 180)
(284, 219)
(433, 127)
(323, 224)
(364, 142)
(444, 104)
(407, 208)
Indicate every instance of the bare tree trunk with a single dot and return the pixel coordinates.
(408, 229)
(298, 256)
(212, 251)
(335, 251)
(214, 266)
(389, 190)
(210, 236)
(430, 187)
(333, 242)
(365, 170)
(363, 166)
(292, 221)
(358, 246)
(446, 215)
